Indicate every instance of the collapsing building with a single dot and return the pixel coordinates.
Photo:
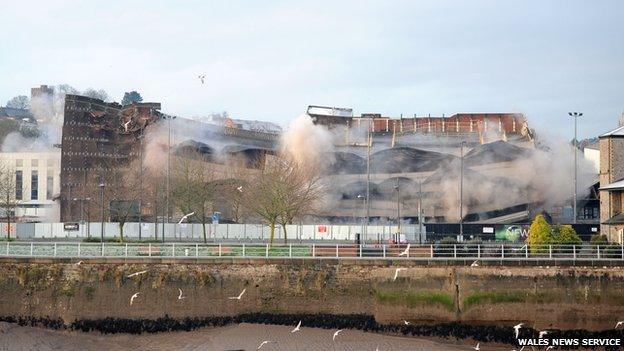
(469, 167)
(99, 138)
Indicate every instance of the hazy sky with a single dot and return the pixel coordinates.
(269, 60)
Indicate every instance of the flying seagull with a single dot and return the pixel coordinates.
(264, 343)
(239, 295)
(126, 125)
(135, 274)
(80, 262)
(476, 347)
(522, 248)
(542, 333)
(336, 334)
(185, 217)
(133, 297)
(201, 77)
(406, 251)
(618, 324)
(550, 347)
(517, 329)
(406, 322)
(297, 328)
(180, 297)
(475, 264)
(396, 273)
(240, 188)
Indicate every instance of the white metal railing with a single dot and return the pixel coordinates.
(503, 252)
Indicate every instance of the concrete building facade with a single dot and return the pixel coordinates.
(37, 184)
(612, 184)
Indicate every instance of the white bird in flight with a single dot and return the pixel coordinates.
(180, 297)
(126, 125)
(542, 333)
(336, 334)
(240, 188)
(297, 328)
(133, 297)
(618, 324)
(406, 251)
(517, 329)
(185, 217)
(80, 262)
(264, 343)
(477, 347)
(522, 248)
(475, 264)
(239, 295)
(406, 322)
(396, 273)
(135, 274)
(201, 77)
(550, 347)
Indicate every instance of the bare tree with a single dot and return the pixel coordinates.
(20, 101)
(283, 191)
(194, 187)
(122, 193)
(8, 202)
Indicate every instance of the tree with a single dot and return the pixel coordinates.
(540, 233)
(96, 94)
(283, 191)
(302, 190)
(20, 101)
(65, 89)
(130, 97)
(122, 193)
(8, 202)
(194, 187)
(566, 235)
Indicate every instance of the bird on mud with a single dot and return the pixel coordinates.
(475, 264)
(396, 273)
(136, 274)
(336, 334)
(237, 297)
(180, 297)
(81, 262)
(542, 333)
(133, 297)
(297, 328)
(517, 329)
(406, 251)
(618, 324)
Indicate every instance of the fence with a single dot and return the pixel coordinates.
(221, 232)
(341, 251)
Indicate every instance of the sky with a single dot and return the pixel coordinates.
(269, 60)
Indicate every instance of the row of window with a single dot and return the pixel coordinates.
(34, 162)
(34, 185)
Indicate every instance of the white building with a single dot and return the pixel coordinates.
(37, 184)
(592, 153)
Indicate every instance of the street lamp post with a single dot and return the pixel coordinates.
(360, 196)
(102, 213)
(420, 217)
(575, 115)
(398, 189)
(140, 183)
(461, 192)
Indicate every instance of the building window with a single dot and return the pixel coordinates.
(18, 185)
(19, 163)
(34, 163)
(34, 185)
(49, 187)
